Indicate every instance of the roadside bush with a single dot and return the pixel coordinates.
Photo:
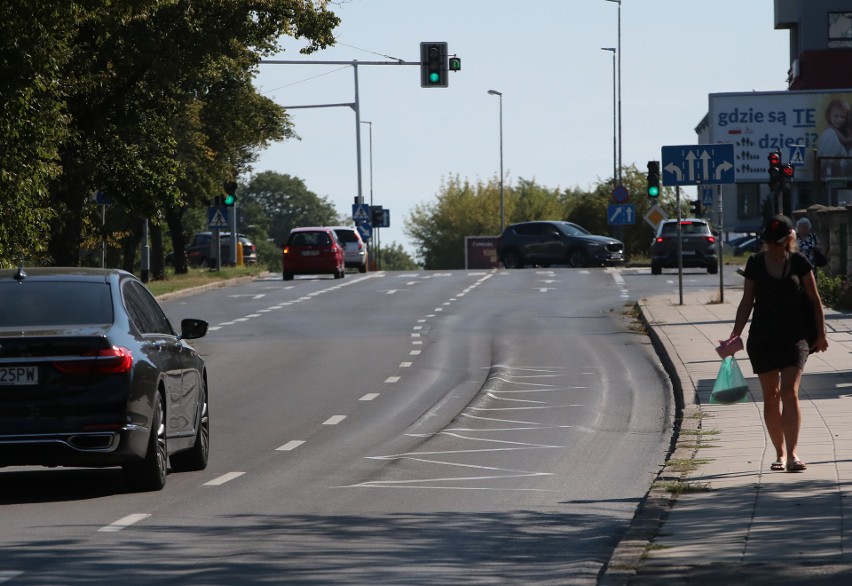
(831, 288)
(268, 254)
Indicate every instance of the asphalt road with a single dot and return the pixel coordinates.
(417, 428)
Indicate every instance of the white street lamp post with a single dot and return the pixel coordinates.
(618, 46)
(502, 201)
(614, 124)
(378, 243)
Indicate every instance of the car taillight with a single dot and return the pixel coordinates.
(286, 250)
(115, 360)
(711, 239)
(660, 239)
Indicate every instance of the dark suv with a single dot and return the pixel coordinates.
(698, 246)
(545, 243)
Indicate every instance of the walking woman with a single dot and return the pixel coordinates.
(777, 345)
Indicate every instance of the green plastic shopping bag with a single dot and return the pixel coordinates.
(730, 386)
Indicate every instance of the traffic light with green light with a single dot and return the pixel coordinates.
(230, 197)
(653, 179)
(434, 65)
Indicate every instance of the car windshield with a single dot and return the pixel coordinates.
(310, 239)
(346, 235)
(573, 229)
(670, 228)
(52, 303)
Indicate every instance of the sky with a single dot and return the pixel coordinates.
(558, 102)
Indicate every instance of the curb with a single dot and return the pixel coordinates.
(652, 512)
(206, 287)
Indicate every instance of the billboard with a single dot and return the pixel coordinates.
(480, 252)
(757, 123)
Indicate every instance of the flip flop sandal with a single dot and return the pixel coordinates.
(796, 466)
(778, 464)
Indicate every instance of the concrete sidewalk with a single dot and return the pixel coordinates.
(734, 520)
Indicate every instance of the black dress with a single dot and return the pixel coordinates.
(776, 338)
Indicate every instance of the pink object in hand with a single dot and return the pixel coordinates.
(729, 347)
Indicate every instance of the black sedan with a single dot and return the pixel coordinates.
(92, 374)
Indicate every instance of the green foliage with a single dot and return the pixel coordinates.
(528, 200)
(394, 258)
(465, 209)
(461, 209)
(285, 203)
(33, 124)
(268, 254)
(150, 101)
(831, 288)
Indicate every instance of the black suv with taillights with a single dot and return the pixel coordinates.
(698, 246)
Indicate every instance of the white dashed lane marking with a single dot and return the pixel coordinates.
(125, 522)
(224, 478)
(291, 445)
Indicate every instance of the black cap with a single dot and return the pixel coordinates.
(776, 229)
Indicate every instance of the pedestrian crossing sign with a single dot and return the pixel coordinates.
(797, 155)
(360, 212)
(216, 218)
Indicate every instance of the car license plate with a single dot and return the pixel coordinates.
(310, 252)
(688, 252)
(18, 375)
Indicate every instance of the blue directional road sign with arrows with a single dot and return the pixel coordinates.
(698, 164)
(620, 214)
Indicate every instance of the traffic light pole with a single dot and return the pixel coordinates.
(679, 246)
(721, 254)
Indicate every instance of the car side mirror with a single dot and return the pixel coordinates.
(191, 329)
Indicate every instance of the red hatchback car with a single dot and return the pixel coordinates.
(312, 250)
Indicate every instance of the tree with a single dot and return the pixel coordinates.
(150, 101)
(530, 201)
(287, 203)
(463, 209)
(395, 258)
(37, 41)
